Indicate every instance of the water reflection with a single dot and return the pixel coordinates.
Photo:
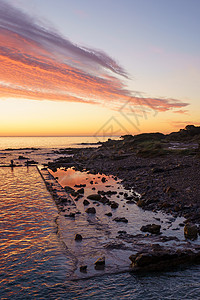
(29, 244)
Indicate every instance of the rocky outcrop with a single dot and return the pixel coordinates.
(159, 258)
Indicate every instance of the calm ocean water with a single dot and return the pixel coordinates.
(34, 263)
(48, 142)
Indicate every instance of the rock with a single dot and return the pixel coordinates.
(21, 157)
(83, 269)
(105, 200)
(71, 215)
(122, 219)
(95, 197)
(191, 231)
(100, 263)
(80, 191)
(114, 204)
(140, 203)
(80, 185)
(103, 179)
(152, 228)
(71, 191)
(91, 182)
(160, 258)
(78, 237)
(109, 214)
(130, 202)
(86, 202)
(91, 210)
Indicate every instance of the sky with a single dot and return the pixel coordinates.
(108, 67)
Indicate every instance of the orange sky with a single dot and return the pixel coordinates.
(50, 86)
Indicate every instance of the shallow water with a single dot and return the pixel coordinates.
(35, 263)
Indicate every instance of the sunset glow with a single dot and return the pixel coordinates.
(37, 63)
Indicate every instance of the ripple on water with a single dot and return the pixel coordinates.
(34, 264)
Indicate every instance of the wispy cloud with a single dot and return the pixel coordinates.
(38, 63)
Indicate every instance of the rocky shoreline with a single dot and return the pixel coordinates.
(166, 180)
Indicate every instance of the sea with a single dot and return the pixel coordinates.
(35, 261)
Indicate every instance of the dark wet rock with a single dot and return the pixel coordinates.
(105, 200)
(103, 179)
(78, 237)
(71, 215)
(129, 198)
(152, 228)
(95, 197)
(109, 214)
(122, 232)
(110, 193)
(31, 162)
(86, 202)
(122, 219)
(191, 231)
(100, 263)
(69, 189)
(159, 258)
(114, 204)
(83, 269)
(168, 238)
(21, 157)
(80, 185)
(91, 210)
(115, 245)
(141, 203)
(80, 191)
(130, 202)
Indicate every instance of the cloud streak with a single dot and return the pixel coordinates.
(38, 63)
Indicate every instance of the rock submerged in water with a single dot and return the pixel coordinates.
(191, 231)
(86, 202)
(80, 191)
(100, 263)
(78, 237)
(122, 219)
(109, 214)
(114, 204)
(83, 269)
(91, 210)
(95, 197)
(151, 228)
